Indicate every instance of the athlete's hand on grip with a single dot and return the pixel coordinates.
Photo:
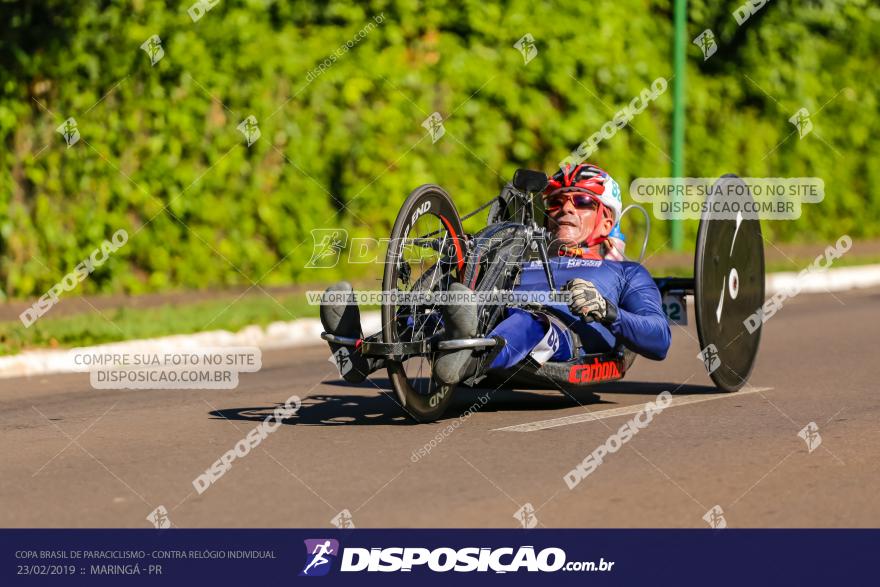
(587, 302)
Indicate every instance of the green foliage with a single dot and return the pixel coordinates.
(123, 323)
(160, 155)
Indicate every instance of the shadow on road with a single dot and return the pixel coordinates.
(647, 388)
(654, 388)
(383, 408)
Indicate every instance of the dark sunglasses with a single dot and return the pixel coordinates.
(580, 201)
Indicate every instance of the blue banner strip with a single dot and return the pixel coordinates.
(510, 557)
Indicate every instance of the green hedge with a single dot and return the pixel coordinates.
(345, 149)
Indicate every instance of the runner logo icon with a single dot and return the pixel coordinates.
(320, 554)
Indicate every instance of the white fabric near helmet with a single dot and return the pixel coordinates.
(612, 198)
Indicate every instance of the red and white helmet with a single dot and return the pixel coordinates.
(594, 181)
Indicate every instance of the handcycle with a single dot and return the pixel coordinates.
(428, 250)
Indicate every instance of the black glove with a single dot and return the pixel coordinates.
(587, 302)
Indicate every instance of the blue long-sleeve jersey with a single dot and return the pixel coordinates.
(641, 324)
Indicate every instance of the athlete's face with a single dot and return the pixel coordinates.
(572, 218)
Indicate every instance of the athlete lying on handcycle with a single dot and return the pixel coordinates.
(612, 301)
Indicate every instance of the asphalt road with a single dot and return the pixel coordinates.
(73, 456)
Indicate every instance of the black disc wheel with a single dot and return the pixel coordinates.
(729, 284)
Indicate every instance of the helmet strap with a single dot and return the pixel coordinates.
(595, 238)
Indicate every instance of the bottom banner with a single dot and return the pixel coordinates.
(606, 557)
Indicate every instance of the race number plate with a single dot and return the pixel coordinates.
(675, 308)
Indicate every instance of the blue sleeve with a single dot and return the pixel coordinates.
(641, 323)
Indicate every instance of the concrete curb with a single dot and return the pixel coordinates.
(840, 279)
(307, 331)
(295, 333)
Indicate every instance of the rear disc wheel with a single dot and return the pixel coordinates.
(729, 287)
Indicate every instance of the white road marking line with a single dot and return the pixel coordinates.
(681, 400)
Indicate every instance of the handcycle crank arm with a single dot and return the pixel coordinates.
(542, 252)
